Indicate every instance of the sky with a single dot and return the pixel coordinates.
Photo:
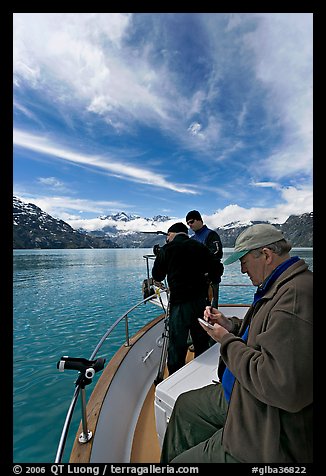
(162, 113)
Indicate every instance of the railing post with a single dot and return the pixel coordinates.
(86, 435)
(127, 344)
(147, 267)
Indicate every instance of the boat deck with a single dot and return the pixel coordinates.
(146, 448)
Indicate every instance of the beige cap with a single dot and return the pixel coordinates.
(254, 237)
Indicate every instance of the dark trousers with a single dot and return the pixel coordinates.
(195, 428)
(182, 320)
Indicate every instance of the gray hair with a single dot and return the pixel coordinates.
(280, 248)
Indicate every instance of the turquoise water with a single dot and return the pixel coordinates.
(64, 301)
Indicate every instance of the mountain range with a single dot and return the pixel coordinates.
(35, 229)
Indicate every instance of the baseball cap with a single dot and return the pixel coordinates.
(252, 238)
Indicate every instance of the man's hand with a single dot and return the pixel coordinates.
(221, 324)
(214, 316)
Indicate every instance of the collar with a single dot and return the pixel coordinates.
(203, 228)
(265, 285)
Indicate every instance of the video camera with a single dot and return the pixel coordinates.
(156, 249)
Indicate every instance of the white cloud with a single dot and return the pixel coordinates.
(291, 160)
(103, 164)
(87, 56)
(194, 128)
(295, 201)
(80, 54)
(282, 45)
(266, 185)
(52, 182)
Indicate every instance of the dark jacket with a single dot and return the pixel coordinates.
(270, 411)
(212, 240)
(185, 262)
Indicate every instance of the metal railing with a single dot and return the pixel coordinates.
(86, 435)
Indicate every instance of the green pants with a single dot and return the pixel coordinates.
(195, 428)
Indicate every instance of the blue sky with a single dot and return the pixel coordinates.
(162, 113)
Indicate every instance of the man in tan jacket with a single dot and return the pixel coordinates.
(261, 410)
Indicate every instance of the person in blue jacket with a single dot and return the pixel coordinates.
(212, 240)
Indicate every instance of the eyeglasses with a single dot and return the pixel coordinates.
(190, 222)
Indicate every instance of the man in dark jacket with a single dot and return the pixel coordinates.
(185, 263)
(261, 410)
(212, 240)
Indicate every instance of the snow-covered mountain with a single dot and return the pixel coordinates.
(34, 228)
(298, 229)
(121, 216)
(124, 217)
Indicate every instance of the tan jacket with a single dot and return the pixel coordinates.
(270, 412)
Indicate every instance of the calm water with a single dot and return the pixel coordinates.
(64, 301)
